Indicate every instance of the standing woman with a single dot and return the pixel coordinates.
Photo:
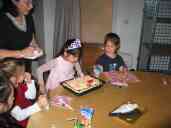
(17, 31)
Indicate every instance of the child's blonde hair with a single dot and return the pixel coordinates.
(10, 66)
(5, 87)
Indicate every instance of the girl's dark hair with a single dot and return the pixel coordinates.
(113, 37)
(74, 52)
(5, 87)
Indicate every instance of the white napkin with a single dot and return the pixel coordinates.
(36, 54)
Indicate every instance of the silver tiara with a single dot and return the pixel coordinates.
(75, 44)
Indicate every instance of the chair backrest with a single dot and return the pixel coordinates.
(91, 51)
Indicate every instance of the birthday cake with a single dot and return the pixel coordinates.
(82, 84)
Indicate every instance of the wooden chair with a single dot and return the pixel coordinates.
(91, 51)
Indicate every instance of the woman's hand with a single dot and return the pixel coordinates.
(37, 49)
(27, 52)
(35, 45)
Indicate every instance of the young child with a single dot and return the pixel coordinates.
(25, 91)
(6, 102)
(63, 67)
(110, 60)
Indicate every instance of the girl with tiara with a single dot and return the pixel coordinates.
(62, 68)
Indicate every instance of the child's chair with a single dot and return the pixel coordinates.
(91, 51)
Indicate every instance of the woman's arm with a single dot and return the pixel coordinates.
(34, 43)
(10, 53)
(16, 53)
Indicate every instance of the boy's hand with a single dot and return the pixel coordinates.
(123, 71)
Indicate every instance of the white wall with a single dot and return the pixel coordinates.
(49, 15)
(127, 20)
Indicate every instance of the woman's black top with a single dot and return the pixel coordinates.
(11, 38)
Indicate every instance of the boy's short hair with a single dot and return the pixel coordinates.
(113, 37)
